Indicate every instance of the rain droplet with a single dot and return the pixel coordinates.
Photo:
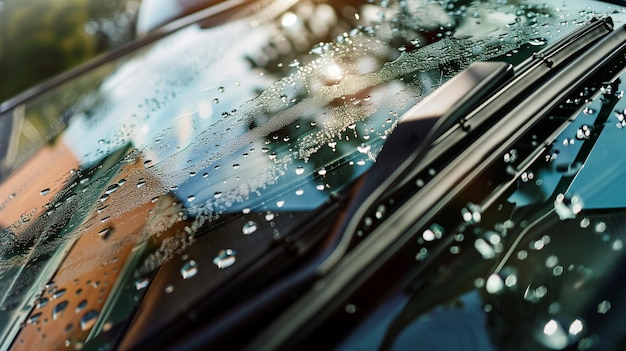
(112, 188)
(299, 170)
(299, 192)
(494, 284)
(584, 223)
(249, 227)
(363, 148)
(42, 302)
(225, 258)
(34, 318)
(141, 183)
(58, 310)
(81, 306)
(576, 327)
(105, 233)
(236, 165)
(169, 289)
(583, 133)
(141, 283)
(57, 294)
(189, 269)
(220, 89)
(600, 227)
(190, 198)
(428, 235)
(45, 191)
(89, 319)
(604, 307)
(537, 41)
(380, 212)
(280, 203)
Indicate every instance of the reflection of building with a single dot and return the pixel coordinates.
(73, 301)
(32, 186)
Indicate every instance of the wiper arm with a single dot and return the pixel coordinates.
(453, 106)
(485, 133)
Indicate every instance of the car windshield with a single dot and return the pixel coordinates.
(254, 115)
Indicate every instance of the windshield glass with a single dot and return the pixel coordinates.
(258, 110)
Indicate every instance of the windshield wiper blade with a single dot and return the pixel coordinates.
(491, 128)
(417, 141)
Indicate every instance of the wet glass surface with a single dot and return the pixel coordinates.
(260, 118)
(540, 269)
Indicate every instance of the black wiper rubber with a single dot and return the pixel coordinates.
(464, 123)
(493, 128)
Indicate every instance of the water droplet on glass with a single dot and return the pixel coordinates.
(600, 227)
(537, 41)
(220, 89)
(236, 166)
(112, 188)
(105, 233)
(617, 245)
(141, 283)
(584, 223)
(89, 319)
(494, 284)
(363, 148)
(567, 208)
(280, 203)
(249, 227)
(45, 191)
(57, 294)
(604, 307)
(190, 198)
(81, 306)
(189, 269)
(584, 132)
(576, 327)
(225, 258)
(141, 183)
(58, 310)
(484, 249)
(42, 302)
(299, 170)
(34, 318)
(299, 192)
(428, 235)
(169, 289)
(553, 336)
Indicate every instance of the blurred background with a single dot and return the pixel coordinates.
(42, 38)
